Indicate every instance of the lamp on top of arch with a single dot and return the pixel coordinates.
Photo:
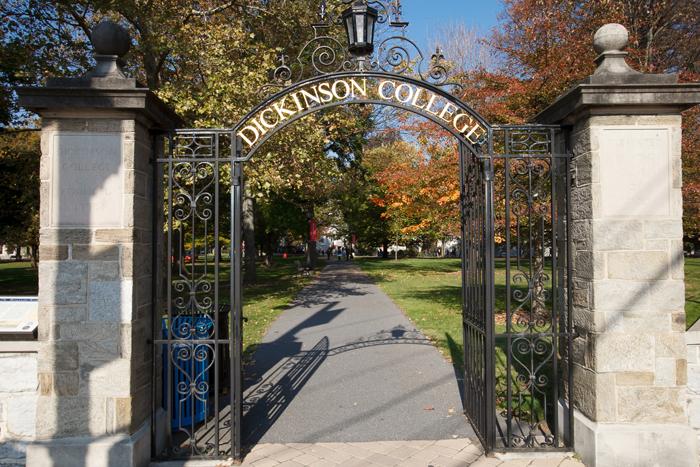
(359, 20)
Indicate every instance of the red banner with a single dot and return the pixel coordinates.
(313, 232)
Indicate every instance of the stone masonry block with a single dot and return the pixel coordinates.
(665, 373)
(96, 331)
(635, 378)
(669, 229)
(638, 265)
(666, 295)
(19, 373)
(650, 405)
(58, 356)
(108, 379)
(114, 235)
(620, 295)
(62, 283)
(681, 372)
(624, 352)
(95, 252)
(71, 416)
(670, 345)
(618, 235)
(21, 414)
(111, 301)
(65, 236)
(53, 252)
(66, 383)
(103, 271)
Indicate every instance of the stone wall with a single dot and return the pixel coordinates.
(95, 285)
(18, 394)
(692, 340)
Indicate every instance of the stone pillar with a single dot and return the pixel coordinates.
(630, 357)
(95, 306)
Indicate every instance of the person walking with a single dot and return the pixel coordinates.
(329, 252)
(339, 253)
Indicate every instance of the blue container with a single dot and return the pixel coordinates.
(183, 372)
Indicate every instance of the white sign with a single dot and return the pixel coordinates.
(87, 180)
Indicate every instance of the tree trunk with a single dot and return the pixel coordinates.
(385, 249)
(18, 253)
(249, 236)
(35, 256)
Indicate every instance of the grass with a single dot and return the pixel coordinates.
(692, 290)
(429, 292)
(18, 278)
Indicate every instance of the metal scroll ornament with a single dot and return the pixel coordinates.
(324, 54)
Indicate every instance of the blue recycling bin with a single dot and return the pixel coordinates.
(182, 411)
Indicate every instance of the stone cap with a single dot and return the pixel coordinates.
(140, 100)
(105, 87)
(615, 83)
(621, 98)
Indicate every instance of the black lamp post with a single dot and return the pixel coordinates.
(359, 20)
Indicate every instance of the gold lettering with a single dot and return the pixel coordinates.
(416, 97)
(259, 127)
(477, 132)
(361, 90)
(381, 89)
(408, 95)
(324, 90)
(459, 117)
(335, 89)
(313, 97)
(428, 108)
(295, 96)
(264, 121)
(245, 138)
(281, 110)
(446, 110)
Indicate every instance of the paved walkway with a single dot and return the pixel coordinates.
(444, 453)
(343, 379)
(345, 365)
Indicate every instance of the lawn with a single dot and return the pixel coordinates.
(18, 278)
(264, 300)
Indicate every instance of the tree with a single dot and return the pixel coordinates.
(19, 197)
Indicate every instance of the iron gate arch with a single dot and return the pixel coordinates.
(514, 185)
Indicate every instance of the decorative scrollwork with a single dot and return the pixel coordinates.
(324, 54)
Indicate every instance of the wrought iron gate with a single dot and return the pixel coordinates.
(477, 292)
(197, 351)
(517, 336)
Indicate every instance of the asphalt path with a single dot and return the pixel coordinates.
(344, 364)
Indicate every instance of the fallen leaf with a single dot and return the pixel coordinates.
(428, 407)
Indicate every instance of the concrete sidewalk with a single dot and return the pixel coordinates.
(344, 364)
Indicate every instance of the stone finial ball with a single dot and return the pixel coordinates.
(108, 38)
(610, 37)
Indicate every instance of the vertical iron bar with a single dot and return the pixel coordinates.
(555, 290)
(155, 274)
(217, 311)
(236, 310)
(168, 324)
(569, 298)
(490, 344)
(509, 337)
(463, 260)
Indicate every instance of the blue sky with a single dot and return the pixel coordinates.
(427, 15)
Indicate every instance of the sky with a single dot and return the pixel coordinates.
(427, 15)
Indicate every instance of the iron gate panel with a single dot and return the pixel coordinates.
(197, 342)
(533, 326)
(477, 295)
